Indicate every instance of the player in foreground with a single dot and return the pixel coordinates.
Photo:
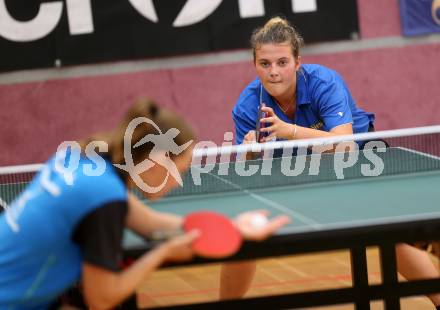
(67, 227)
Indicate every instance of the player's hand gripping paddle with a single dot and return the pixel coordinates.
(218, 238)
(258, 134)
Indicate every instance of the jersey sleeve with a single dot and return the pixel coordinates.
(244, 116)
(334, 103)
(99, 235)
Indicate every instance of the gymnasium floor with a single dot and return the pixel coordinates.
(277, 275)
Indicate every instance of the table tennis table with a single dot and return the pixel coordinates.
(402, 204)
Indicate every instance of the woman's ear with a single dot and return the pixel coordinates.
(298, 63)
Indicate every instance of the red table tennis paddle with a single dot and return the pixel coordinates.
(218, 238)
(218, 235)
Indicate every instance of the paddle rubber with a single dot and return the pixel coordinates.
(259, 135)
(219, 237)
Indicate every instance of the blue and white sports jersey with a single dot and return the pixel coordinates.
(38, 259)
(323, 102)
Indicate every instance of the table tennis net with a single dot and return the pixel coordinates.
(287, 163)
(291, 163)
(13, 180)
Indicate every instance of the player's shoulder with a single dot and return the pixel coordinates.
(106, 182)
(318, 73)
(86, 178)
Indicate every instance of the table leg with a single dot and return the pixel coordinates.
(360, 276)
(388, 262)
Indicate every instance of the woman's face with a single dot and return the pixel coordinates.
(276, 67)
(156, 175)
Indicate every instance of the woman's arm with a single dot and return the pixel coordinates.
(309, 133)
(280, 129)
(144, 220)
(104, 289)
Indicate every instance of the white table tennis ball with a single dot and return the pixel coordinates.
(259, 221)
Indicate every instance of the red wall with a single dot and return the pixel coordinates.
(378, 18)
(399, 84)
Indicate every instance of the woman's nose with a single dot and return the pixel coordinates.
(273, 71)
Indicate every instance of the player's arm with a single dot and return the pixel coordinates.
(280, 129)
(99, 235)
(309, 133)
(144, 220)
(104, 289)
(332, 99)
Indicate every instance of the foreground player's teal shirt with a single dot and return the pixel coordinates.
(38, 259)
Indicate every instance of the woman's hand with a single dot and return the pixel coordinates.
(246, 225)
(275, 127)
(178, 249)
(250, 137)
